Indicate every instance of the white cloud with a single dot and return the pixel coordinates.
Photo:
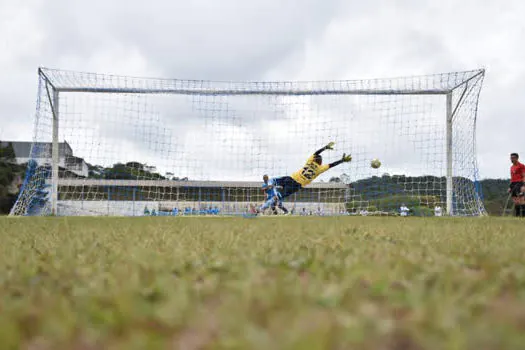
(273, 39)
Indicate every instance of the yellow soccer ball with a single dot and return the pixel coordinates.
(375, 163)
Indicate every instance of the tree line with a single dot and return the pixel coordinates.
(10, 172)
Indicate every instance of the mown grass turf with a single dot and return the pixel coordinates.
(265, 283)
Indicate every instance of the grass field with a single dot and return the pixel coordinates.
(265, 283)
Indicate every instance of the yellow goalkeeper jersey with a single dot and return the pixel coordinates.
(309, 172)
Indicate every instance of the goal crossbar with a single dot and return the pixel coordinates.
(438, 84)
(252, 92)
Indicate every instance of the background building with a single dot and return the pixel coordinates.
(133, 197)
(42, 154)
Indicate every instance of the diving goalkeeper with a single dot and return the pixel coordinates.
(288, 185)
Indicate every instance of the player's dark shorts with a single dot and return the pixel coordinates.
(289, 186)
(515, 188)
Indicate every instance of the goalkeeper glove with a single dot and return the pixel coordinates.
(330, 145)
(346, 158)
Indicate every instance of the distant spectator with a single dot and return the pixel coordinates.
(438, 211)
(403, 210)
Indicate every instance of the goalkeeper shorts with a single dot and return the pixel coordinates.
(289, 186)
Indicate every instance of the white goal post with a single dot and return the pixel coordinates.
(117, 145)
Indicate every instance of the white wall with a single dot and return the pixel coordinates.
(130, 208)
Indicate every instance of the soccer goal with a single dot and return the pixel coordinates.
(118, 145)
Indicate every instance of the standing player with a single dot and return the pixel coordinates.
(517, 179)
(273, 197)
(314, 167)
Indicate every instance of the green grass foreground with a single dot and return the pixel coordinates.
(265, 283)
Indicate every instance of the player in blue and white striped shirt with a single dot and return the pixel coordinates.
(273, 197)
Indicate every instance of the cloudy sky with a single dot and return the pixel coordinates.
(272, 39)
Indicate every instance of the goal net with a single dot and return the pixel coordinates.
(117, 145)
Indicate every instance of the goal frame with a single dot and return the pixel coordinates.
(260, 88)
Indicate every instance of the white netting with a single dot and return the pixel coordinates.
(133, 145)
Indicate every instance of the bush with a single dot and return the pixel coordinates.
(9, 171)
(7, 202)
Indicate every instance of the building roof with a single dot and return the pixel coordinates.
(74, 161)
(41, 149)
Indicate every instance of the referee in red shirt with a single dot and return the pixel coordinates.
(517, 179)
